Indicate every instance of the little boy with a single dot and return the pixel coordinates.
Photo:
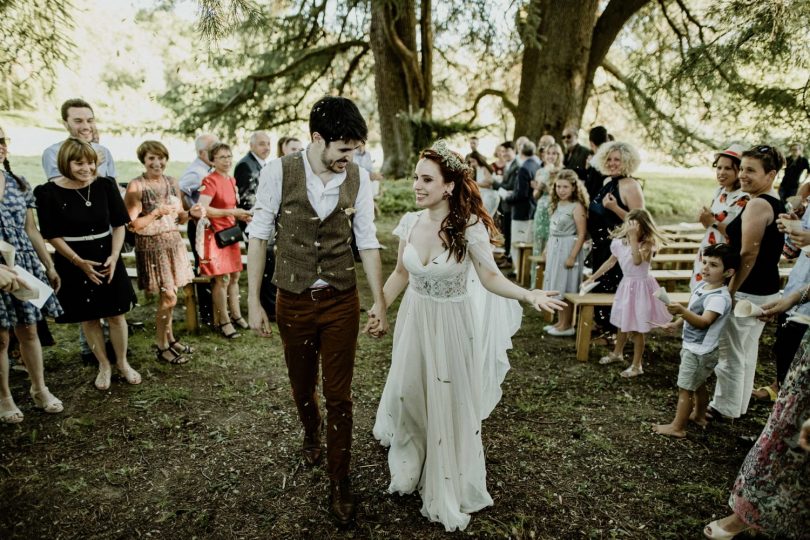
(703, 321)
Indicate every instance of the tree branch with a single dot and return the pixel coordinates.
(607, 27)
(508, 103)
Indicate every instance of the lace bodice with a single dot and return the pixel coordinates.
(443, 278)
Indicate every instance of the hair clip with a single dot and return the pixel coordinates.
(449, 157)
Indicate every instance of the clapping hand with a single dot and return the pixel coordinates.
(705, 217)
(544, 300)
(799, 238)
(782, 218)
(609, 202)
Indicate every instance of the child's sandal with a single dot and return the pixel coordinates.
(610, 358)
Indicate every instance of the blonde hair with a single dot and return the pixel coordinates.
(630, 157)
(579, 193)
(560, 154)
(648, 229)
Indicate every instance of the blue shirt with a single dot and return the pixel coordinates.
(105, 167)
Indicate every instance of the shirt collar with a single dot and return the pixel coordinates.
(257, 158)
(336, 180)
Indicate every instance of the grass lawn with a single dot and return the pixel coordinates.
(210, 449)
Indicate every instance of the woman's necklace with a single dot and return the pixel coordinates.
(87, 201)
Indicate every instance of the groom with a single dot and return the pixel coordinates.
(313, 202)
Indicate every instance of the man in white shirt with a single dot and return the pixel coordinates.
(312, 202)
(80, 122)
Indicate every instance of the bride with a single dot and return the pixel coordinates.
(450, 342)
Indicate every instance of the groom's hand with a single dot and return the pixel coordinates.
(377, 325)
(259, 323)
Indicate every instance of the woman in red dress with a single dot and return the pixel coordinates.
(219, 197)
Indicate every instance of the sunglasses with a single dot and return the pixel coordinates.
(569, 136)
(765, 149)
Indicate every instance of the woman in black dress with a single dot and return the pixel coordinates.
(83, 216)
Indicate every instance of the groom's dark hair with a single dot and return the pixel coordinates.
(337, 118)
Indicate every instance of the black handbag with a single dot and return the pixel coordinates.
(227, 237)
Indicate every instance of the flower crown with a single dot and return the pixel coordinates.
(450, 158)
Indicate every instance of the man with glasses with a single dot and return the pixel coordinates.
(576, 155)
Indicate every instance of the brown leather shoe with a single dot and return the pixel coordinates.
(312, 449)
(341, 501)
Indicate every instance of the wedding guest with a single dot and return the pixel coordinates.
(154, 207)
(770, 493)
(18, 229)
(83, 216)
(755, 233)
(729, 201)
(291, 145)
(219, 197)
(483, 177)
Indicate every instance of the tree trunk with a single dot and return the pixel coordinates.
(393, 33)
(564, 43)
(554, 74)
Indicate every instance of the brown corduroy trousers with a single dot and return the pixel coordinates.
(322, 324)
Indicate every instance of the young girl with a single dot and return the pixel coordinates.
(635, 309)
(564, 256)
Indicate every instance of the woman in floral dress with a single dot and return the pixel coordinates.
(17, 228)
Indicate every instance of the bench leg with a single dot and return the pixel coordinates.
(192, 321)
(584, 329)
(525, 268)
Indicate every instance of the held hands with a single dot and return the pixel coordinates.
(377, 325)
(544, 300)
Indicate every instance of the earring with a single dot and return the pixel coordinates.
(446, 195)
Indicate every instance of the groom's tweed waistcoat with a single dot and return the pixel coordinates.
(308, 249)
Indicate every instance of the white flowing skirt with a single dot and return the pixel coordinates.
(448, 362)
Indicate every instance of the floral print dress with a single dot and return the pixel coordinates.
(726, 206)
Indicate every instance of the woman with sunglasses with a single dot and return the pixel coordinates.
(17, 228)
(756, 235)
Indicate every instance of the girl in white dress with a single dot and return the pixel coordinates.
(450, 342)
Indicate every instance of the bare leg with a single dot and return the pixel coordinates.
(678, 426)
(638, 350)
(621, 340)
(163, 321)
(95, 339)
(119, 335)
(701, 405)
(220, 301)
(9, 412)
(233, 296)
(566, 314)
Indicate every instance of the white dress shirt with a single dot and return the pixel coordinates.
(323, 198)
(262, 162)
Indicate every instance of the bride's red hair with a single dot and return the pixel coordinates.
(465, 202)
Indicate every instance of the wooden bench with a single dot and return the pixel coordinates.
(683, 227)
(586, 304)
(680, 246)
(522, 264)
(669, 279)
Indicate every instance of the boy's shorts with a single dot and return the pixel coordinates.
(695, 369)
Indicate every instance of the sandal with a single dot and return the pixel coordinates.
(632, 372)
(231, 335)
(9, 413)
(764, 393)
(173, 356)
(180, 348)
(241, 322)
(609, 358)
(46, 401)
(714, 530)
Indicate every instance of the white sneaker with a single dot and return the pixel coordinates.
(548, 327)
(562, 333)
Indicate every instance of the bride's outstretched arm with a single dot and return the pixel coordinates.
(494, 281)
